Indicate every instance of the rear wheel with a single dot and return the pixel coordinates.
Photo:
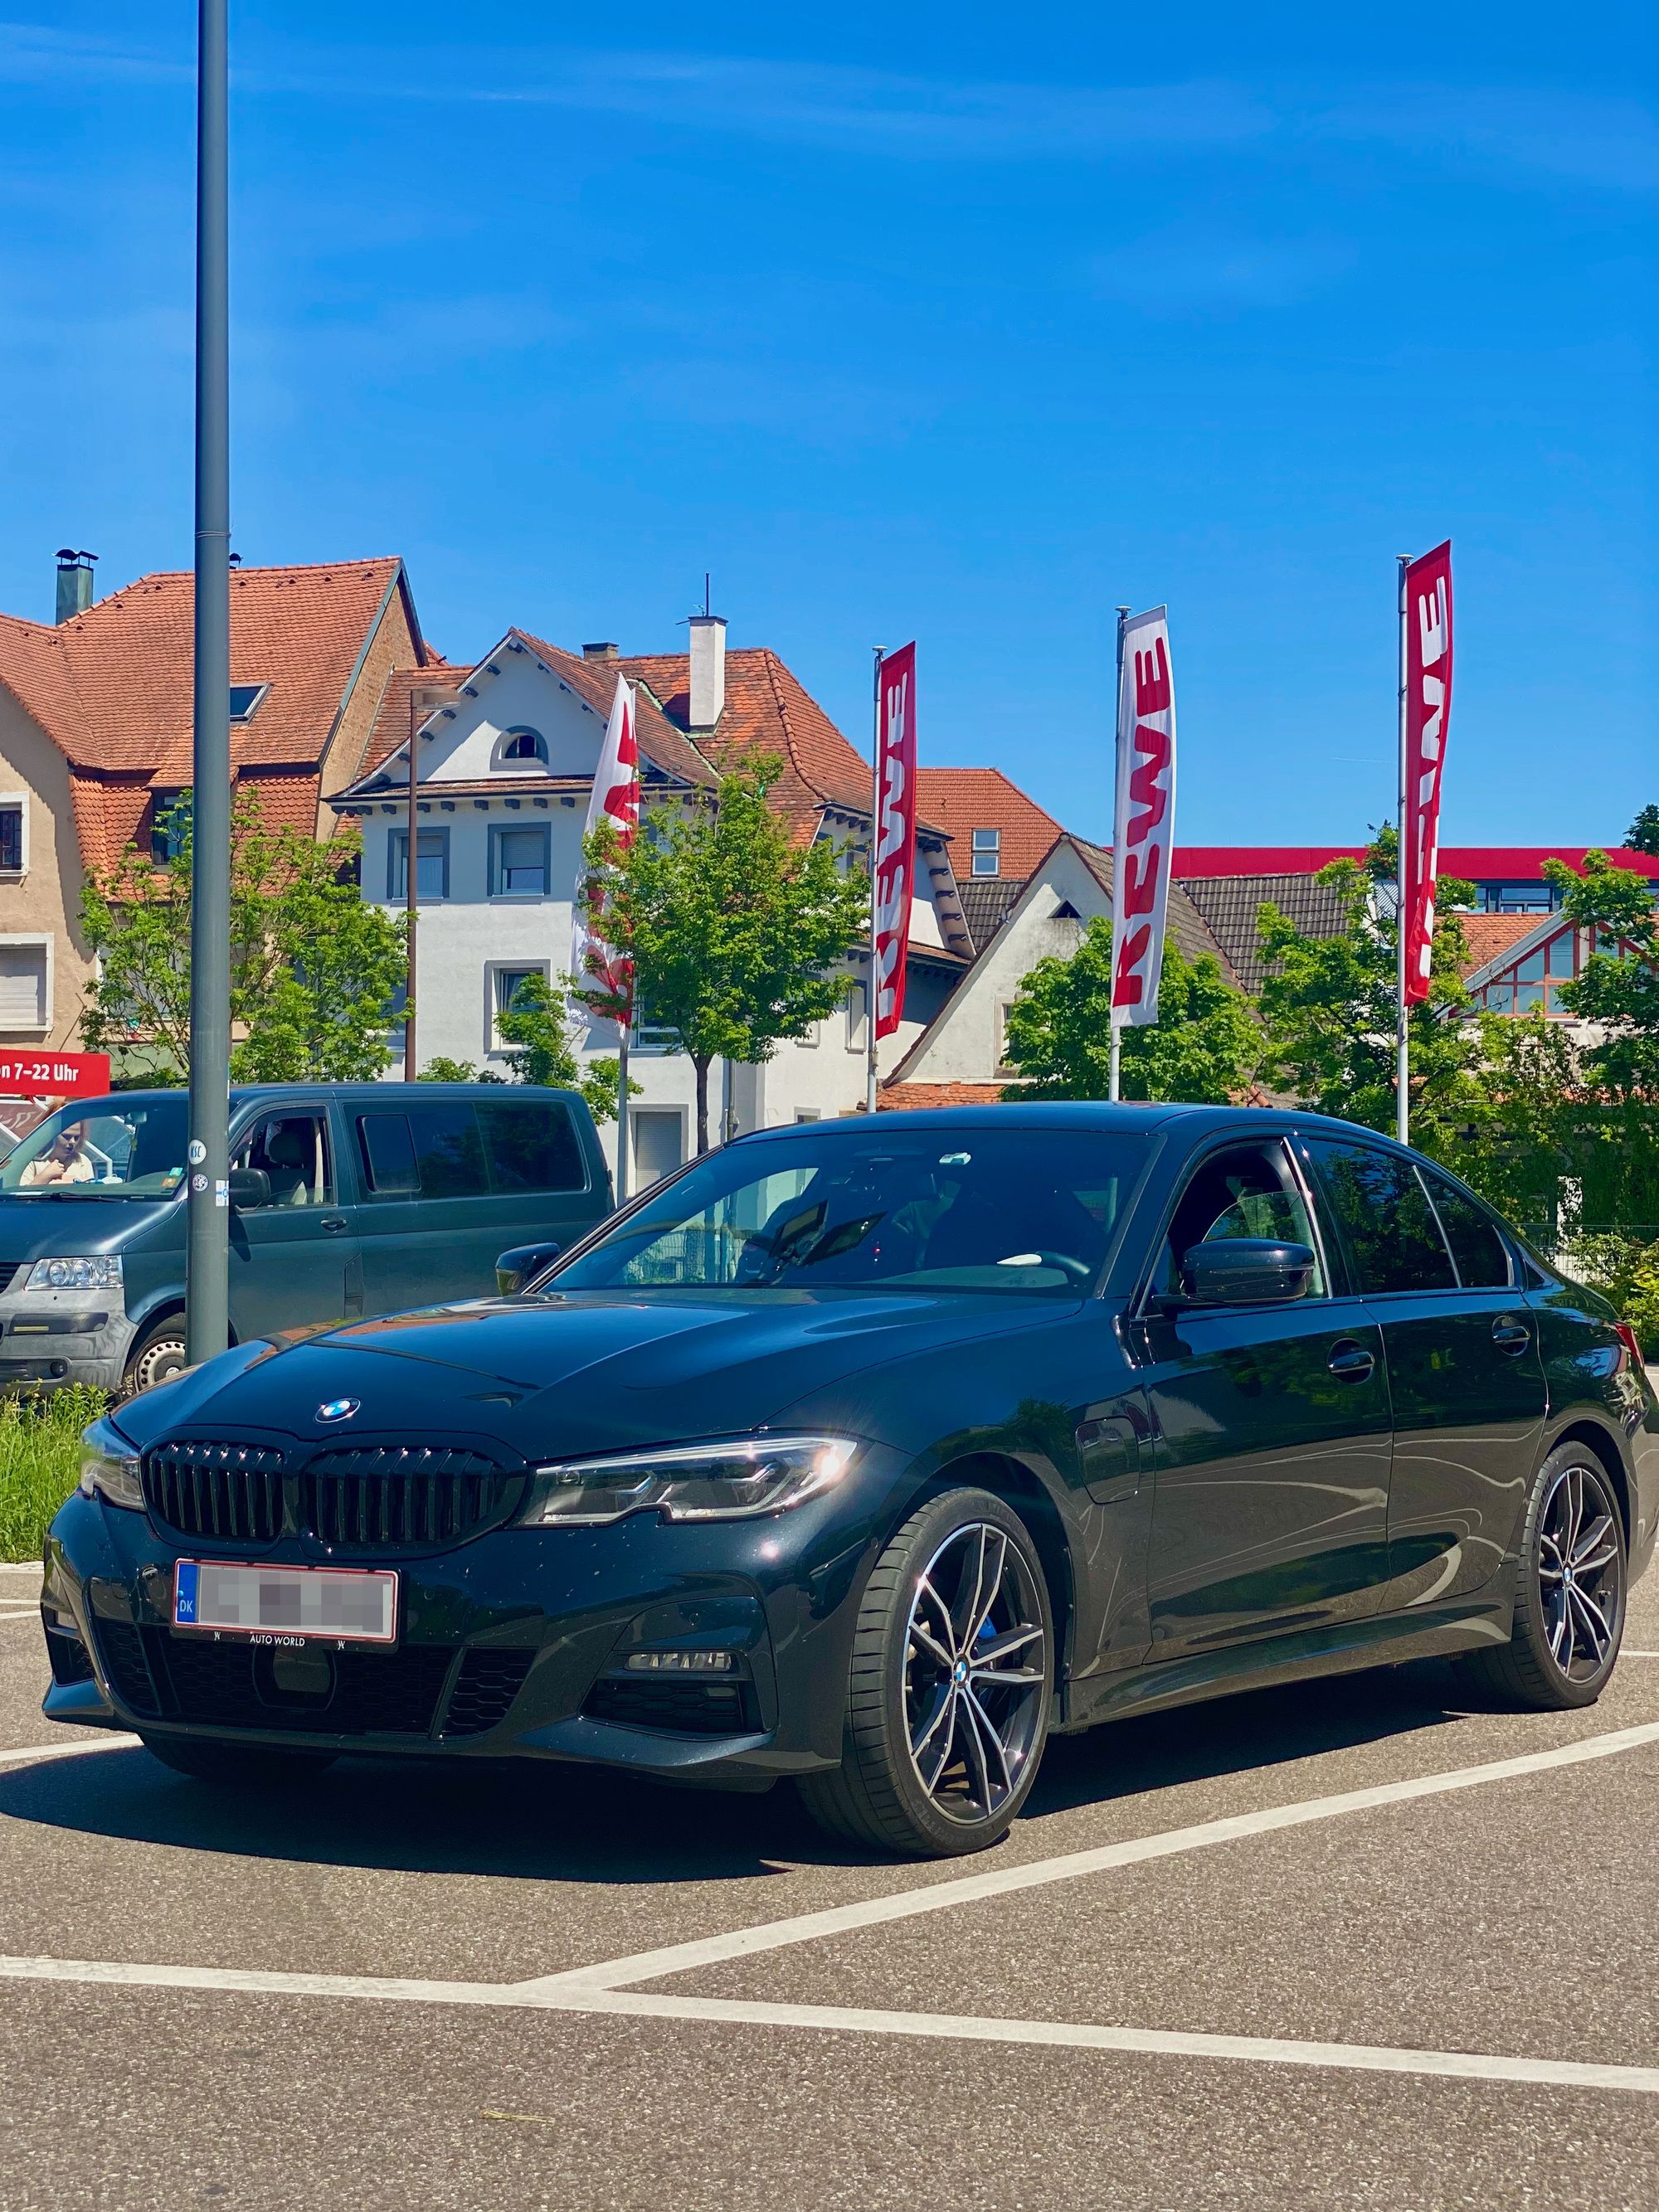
(952, 1678)
(1570, 1598)
(159, 1352)
(246, 1766)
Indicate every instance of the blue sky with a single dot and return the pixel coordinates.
(901, 324)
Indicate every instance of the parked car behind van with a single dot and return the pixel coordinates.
(346, 1199)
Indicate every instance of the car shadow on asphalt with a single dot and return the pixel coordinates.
(586, 1826)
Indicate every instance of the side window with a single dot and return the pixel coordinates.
(1482, 1256)
(292, 1151)
(531, 1147)
(1385, 1218)
(388, 1151)
(1248, 1190)
(449, 1157)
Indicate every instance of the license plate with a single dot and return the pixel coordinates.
(347, 1604)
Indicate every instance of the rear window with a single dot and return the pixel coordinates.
(1386, 1218)
(461, 1151)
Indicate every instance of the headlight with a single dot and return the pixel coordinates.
(691, 1482)
(109, 1466)
(95, 1274)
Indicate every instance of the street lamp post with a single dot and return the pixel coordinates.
(207, 1318)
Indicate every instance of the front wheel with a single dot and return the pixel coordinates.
(1569, 1596)
(951, 1680)
(243, 1766)
(158, 1354)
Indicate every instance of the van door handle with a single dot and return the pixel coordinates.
(1511, 1335)
(1350, 1363)
(334, 1223)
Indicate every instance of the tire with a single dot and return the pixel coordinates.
(159, 1352)
(1567, 1624)
(243, 1765)
(928, 1768)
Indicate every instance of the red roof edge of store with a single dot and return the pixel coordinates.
(1521, 864)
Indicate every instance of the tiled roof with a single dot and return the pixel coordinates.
(910, 1098)
(962, 799)
(986, 902)
(113, 686)
(1520, 864)
(1185, 923)
(768, 710)
(389, 728)
(1231, 905)
(1486, 935)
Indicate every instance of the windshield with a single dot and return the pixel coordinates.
(103, 1148)
(1012, 1209)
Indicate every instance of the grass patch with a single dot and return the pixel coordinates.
(39, 1463)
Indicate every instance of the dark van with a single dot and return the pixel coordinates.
(345, 1199)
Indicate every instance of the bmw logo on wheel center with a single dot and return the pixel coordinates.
(338, 1409)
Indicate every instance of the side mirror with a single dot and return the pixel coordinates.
(1246, 1271)
(249, 1187)
(514, 1269)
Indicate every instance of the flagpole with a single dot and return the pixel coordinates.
(1402, 1111)
(875, 841)
(621, 1178)
(1115, 1077)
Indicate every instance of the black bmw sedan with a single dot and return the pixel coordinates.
(870, 1454)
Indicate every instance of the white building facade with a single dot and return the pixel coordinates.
(504, 769)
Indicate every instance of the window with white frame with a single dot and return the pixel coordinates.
(858, 1018)
(521, 748)
(25, 983)
(519, 860)
(988, 852)
(504, 984)
(649, 1035)
(14, 832)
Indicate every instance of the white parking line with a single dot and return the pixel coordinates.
(105, 1739)
(1002, 1881)
(603, 1989)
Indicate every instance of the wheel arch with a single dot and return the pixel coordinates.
(1014, 1484)
(1597, 1440)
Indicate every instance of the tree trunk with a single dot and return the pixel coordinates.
(700, 1061)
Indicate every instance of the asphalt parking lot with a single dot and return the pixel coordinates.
(1355, 1944)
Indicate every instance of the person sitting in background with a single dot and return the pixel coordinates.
(64, 1160)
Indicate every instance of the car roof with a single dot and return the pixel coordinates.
(1074, 1114)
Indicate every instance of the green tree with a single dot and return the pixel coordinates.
(313, 968)
(441, 1068)
(735, 930)
(535, 1030)
(1203, 1047)
(1643, 836)
(1613, 1114)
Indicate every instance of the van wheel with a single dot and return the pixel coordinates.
(159, 1353)
(951, 1679)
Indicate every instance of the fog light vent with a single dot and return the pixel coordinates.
(681, 1662)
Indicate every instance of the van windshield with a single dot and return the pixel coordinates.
(973, 1210)
(102, 1148)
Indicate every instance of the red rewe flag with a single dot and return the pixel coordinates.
(605, 977)
(1144, 830)
(1428, 675)
(894, 831)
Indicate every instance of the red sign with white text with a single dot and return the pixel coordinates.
(1428, 710)
(895, 831)
(25, 1073)
(1146, 818)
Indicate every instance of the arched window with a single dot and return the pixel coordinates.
(518, 746)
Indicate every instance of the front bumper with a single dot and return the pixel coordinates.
(55, 1338)
(513, 1645)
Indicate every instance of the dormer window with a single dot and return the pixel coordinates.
(244, 698)
(521, 748)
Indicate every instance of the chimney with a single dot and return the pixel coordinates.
(74, 582)
(708, 670)
(603, 651)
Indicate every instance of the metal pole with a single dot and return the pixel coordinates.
(207, 1316)
(875, 841)
(411, 899)
(1403, 1105)
(625, 1023)
(1114, 1070)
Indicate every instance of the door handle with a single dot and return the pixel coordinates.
(1510, 1335)
(1350, 1363)
(334, 1223)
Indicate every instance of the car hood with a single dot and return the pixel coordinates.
(546, 1377)
(68, 1226)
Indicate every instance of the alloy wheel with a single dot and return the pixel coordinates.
(1580, 1571)
(975, 1676)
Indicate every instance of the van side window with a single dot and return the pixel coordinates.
(292, 1151)
(388, 1153)
(530, 1145)
(449, 1156)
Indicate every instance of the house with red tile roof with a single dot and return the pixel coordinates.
(96, 713)
(504, 765)
(999, 838)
